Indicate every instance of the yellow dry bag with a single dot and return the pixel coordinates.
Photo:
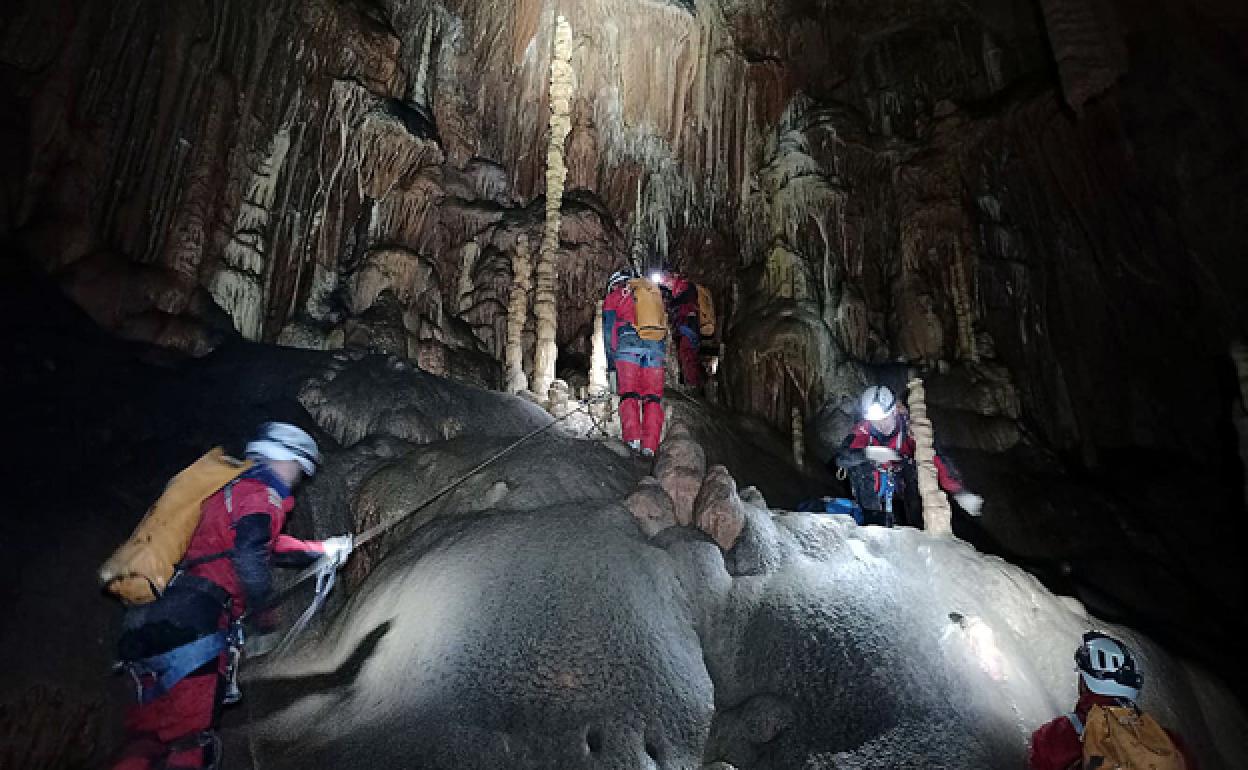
(141, 567)
(651, 315)
(706, 312)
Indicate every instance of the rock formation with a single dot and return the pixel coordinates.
(545, 303)
(937, 516)
(517, 314)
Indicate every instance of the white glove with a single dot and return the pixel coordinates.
(880, 454)
(337, 549)
(972, 503)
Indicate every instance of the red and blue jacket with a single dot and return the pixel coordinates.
(683, 310)
(901, 440)
(242, 523)
(618, 313)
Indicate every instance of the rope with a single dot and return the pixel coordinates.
(376, 531)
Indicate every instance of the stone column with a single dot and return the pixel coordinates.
(544, 305)
(937, 516)
(517, 314)
(598, 384)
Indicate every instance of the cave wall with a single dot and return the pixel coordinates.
(1017, 197)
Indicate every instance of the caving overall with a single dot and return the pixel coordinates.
(639, 370)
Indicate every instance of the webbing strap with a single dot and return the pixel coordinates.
(1076, 723)
(629, 394)
(169, 668)
(652, 399)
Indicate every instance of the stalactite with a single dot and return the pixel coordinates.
(544, 305)
(468, 259)
(937, 516)
(517, 313)
(239, 285)
(799, 439)
(420, 88)
(959, 293)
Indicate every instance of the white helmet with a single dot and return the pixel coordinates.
(283, 441)
(877, 403)
(1106, 666)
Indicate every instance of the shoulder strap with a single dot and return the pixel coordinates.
(227, 492)
(1076, 723)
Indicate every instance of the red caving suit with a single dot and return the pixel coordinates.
(241, 525)
(639, 369)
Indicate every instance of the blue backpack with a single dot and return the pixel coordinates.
(836, 506)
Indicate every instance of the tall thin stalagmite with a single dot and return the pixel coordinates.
(598, 384)
(937, 516)
(517, 314)
(544, 305)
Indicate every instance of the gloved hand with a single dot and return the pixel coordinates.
(337, 549)
(880, 454)
(972, 503)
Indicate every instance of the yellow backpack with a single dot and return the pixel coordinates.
(651, 315)
(1124, 738)
(140, 568)
(706, 312)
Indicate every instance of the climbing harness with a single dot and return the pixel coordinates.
(155, 675)
(325, 570)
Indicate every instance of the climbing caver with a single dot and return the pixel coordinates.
(1106, 730)
(684, 315)
(635, 326)
(221, 520)
(878, 456)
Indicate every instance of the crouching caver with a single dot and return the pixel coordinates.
(878, 456)
(176, 647)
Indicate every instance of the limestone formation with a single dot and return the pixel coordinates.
(798, 435)
(468, 261)
(959, 293)
(937, 515)
(517, 314)
(651, 507)
(599, 386)
(545, 304)
(557, 398)
(680, 469)
(718, 510)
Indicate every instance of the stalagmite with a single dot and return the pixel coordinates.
(937, 516)
(598, 384)
(468, 259)
(544, 305)
(517, 314)
(799, 439)
(557, 397)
